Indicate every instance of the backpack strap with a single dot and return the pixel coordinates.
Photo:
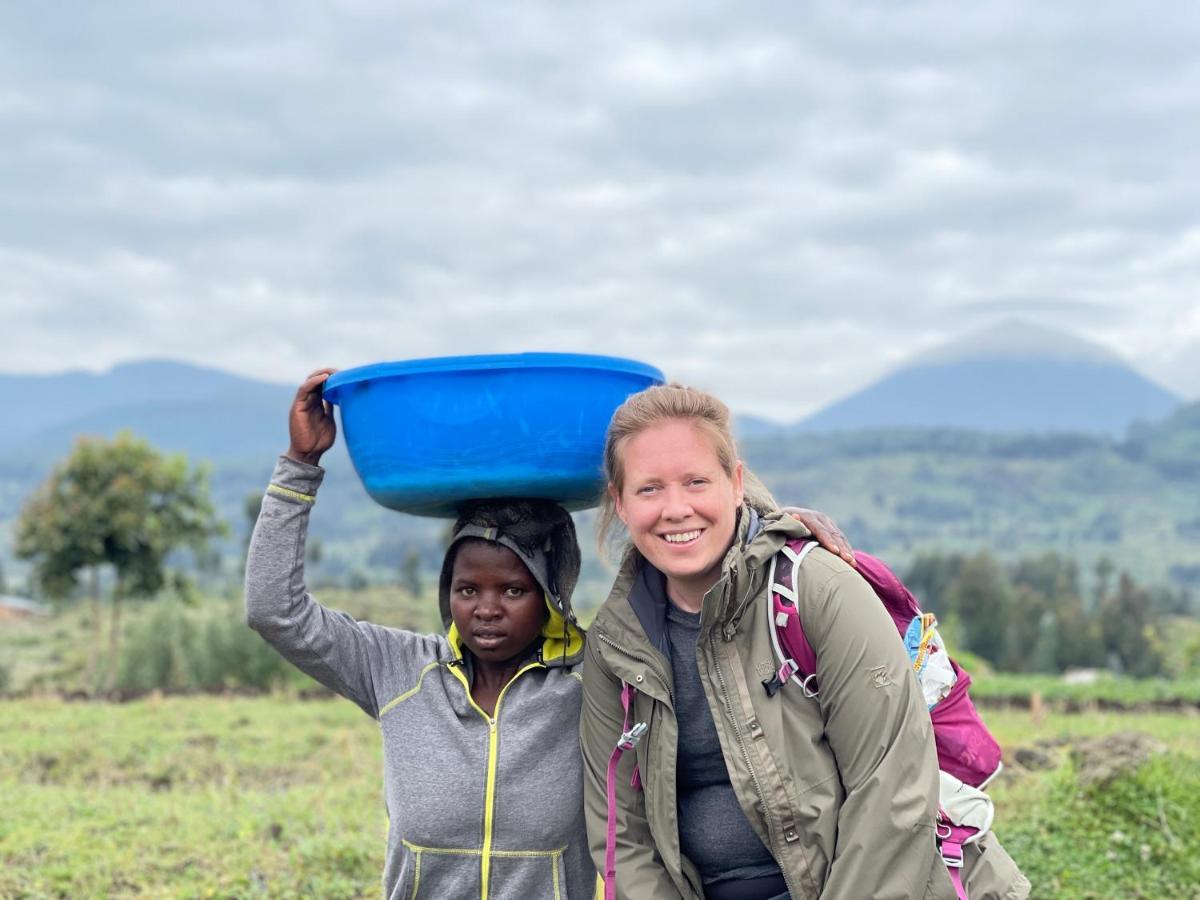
(627, 741)
(950, 840)
(798, 661)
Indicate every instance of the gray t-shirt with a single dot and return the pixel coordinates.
(713, 831)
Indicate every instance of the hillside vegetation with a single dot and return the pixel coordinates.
(898, 492)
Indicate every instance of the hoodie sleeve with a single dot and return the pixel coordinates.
(879, 730)
(365, 663)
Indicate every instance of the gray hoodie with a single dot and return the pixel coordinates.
(478, 805)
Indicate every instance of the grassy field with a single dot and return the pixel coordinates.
(190, 797)
(277, 797)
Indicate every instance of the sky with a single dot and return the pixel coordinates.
(723, 190)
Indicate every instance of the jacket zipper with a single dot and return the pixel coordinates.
(772, 825)
(489, 792)
(650, 663)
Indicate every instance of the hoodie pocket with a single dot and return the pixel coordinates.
(439, 872)
(528, 874)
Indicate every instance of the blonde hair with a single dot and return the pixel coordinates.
(659, 404)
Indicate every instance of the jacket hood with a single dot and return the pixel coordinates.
(542, 535)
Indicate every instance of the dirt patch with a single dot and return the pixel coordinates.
(1100, 760)
(1033, 758)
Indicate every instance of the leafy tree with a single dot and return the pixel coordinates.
(930, 577)
(1130, 630)
(117, 504)
(983, 598)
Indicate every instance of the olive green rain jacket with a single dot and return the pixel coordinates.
(841, 788)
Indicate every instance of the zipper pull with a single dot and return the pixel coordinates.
(728, 630)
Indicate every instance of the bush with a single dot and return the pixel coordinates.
(210, 648)
(1131, 836)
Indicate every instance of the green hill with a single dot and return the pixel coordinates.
(897, 492)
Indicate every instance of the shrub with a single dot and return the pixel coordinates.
(210, 648)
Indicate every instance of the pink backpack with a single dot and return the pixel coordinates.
(968, 755)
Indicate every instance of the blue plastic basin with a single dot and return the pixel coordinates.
(426, 435)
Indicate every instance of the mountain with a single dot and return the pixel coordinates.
(203, 412)
(1015, 377)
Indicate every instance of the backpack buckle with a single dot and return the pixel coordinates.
(629, 739)
(952, 854)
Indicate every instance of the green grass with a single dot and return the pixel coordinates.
(1132, 838)
(273, 796)
(189, 797)
(1106, 691)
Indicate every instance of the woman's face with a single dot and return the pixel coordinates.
(495, 602)
(677, 502)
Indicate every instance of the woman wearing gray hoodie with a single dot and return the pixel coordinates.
(482, 777)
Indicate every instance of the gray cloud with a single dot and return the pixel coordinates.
(839, 185)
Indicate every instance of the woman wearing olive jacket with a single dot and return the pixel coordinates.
(742, 794)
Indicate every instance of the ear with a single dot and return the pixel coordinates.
(738, 490)
(615, 496)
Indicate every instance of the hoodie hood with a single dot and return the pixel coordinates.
(542, 535)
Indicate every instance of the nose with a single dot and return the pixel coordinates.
(676, 506)
(489, 607)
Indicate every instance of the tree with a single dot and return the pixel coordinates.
(983, 597)
(115, 503)
(1131, 634)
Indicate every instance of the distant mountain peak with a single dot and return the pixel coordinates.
(1013, 339)
(1014, 376)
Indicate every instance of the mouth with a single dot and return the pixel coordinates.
(683, 538)
(488, 638)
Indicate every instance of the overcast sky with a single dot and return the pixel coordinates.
(721, 190)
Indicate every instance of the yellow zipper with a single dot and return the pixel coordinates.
(489, 793)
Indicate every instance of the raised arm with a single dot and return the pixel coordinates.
(879, 730)
(364, 662)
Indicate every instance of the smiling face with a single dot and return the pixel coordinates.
(495, 602)
(679, 504)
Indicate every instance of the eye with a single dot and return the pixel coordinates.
(515, 591)
(647, 489)
(466, 590)
(698, 482)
